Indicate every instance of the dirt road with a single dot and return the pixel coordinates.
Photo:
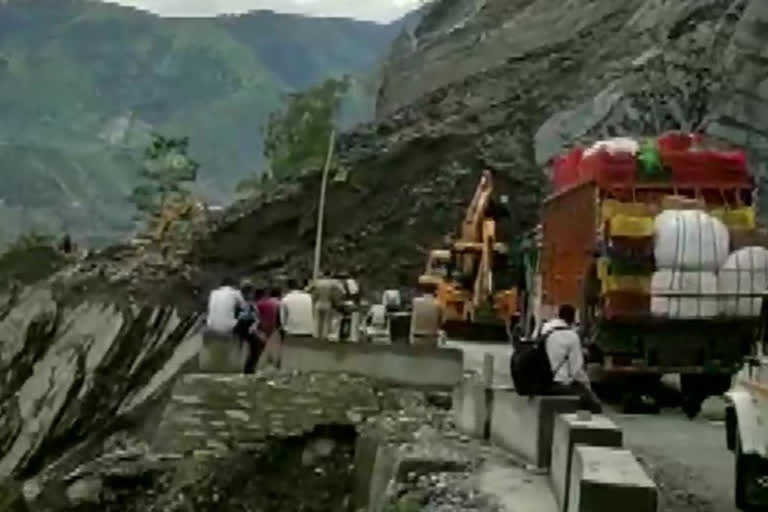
(687, 459)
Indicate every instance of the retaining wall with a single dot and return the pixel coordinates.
(398, 364)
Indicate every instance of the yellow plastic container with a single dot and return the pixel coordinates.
(635, 284)
(602, 268)
(612, 208)
(631, 226)
(739, 219)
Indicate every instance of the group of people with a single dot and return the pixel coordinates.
(260, 318)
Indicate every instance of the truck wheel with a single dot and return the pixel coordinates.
(750, 474)
(740, 477)
(691, 406)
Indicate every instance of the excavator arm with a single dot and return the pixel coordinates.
(472, 227)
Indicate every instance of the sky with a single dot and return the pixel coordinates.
(375, 10)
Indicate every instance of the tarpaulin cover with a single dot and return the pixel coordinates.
(745, 271)
(690, 240)
(665, 281)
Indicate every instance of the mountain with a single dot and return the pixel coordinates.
(505, 85)
(83, 83)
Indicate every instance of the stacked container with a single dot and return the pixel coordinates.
(675, 157)
(744, 272)
(626, 264)
(690, 246)
(663, 214)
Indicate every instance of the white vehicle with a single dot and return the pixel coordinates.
(747, 424)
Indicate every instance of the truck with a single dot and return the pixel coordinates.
(595, 250)
(473, 276)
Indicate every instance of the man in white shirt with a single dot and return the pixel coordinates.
(224, 304)
(296, 313)
(567, 359)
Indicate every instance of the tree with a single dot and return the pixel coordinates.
(165, 171)
(297, 135)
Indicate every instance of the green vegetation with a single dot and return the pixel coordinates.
(84, 84)
(166, 170)
(297, 136)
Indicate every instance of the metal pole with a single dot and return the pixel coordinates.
(321, 208)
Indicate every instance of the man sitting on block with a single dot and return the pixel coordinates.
(566, 358)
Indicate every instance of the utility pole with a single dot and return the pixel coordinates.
(321, 208)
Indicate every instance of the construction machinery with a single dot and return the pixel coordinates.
(472, 276)
(177, 210)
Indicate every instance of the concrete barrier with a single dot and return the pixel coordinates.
(524, 425)
(471, 407)
(221, 353)
(570, 430)
(414, 366)
(607, 479)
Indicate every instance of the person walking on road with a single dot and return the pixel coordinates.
(426, 319)
(327, 295)
(566, 358)
(296, 313)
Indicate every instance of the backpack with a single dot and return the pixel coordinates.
(531, 372)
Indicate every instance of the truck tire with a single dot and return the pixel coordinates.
(691, 405)
(749, 472)
(740, 483)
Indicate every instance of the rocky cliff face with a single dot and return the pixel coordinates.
(507, 85)
(77, 372)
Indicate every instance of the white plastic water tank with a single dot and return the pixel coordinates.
(666, 281)
(745, 271)
(614, 146)
(690, 240)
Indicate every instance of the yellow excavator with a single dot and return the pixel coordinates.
(178, 210)
(466, 274)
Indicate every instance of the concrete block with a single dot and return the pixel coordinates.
(608, 479)
(414, 366)
(524, 425)
(470, 407)
(570, 430)
(376, 463)
(222, 354)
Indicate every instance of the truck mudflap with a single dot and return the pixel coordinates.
(748, 400)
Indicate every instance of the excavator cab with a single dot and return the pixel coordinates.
(437, 268)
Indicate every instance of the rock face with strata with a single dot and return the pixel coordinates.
(72, 371)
